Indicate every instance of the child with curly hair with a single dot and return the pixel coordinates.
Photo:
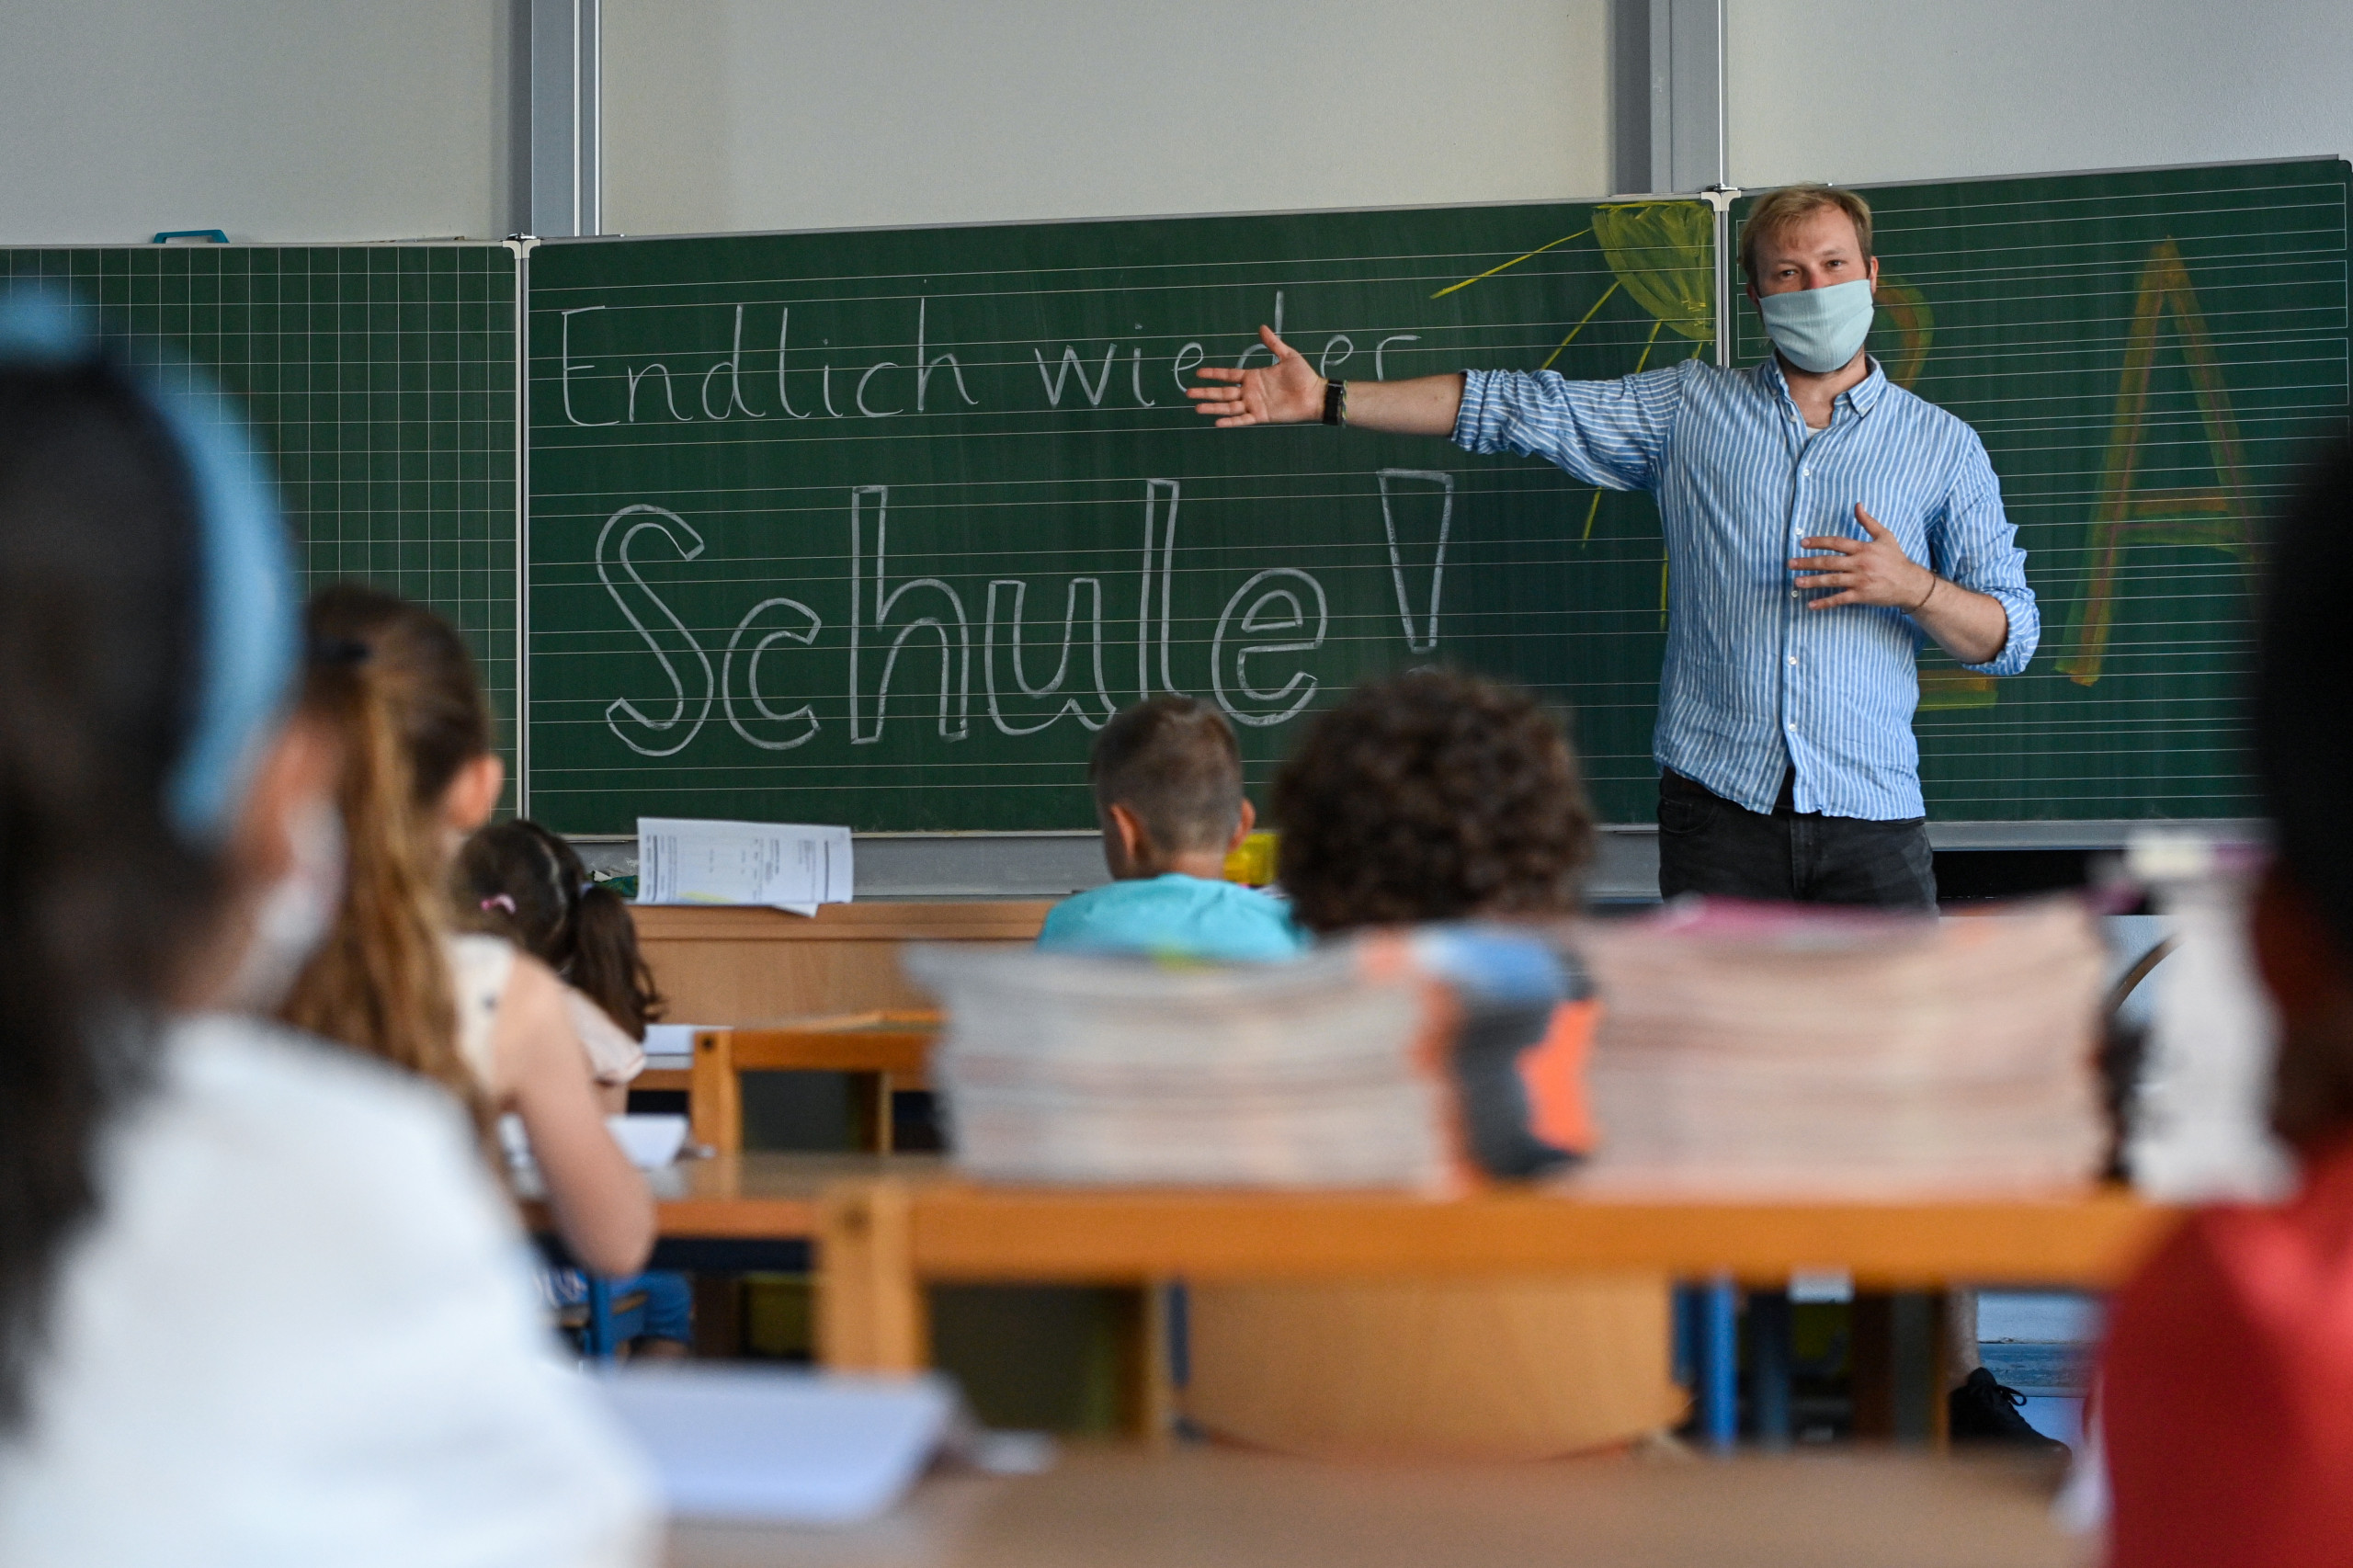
(1439, 796)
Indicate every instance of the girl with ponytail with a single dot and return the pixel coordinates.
(258, 1303)
(525, 883)
(521, 882)
(395, 684)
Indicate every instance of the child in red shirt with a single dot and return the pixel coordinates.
(2228, 1382)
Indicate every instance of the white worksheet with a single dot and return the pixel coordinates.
(791, 866)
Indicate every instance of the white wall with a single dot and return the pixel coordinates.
(326, 119)
(274, 119)
(1859, 91)
(762, 114)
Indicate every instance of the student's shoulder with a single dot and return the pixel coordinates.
(1252, 924)
(1092, 897)
(1256, 900)
(262, 1074)
(1080, 907)
(256, 1114)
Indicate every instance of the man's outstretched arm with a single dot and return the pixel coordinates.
(1289, 391)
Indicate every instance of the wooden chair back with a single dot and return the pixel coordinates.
(883, 1051)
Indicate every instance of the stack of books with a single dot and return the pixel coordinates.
(1751, 1048)
(1326, 1072)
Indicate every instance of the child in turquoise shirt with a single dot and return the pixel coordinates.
(1167, 779)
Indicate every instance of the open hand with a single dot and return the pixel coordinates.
(1873, 571)
(1288, 391)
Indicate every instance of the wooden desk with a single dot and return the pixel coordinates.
(883, 1241)
(1201, 1508)
(770, 1196)
(748, 966)
(734, 1213)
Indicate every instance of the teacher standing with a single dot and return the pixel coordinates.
(1820, 522)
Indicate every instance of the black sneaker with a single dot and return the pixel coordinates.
(1982, 1411)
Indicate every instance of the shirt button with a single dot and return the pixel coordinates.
(1793, 658)
(1793, 724)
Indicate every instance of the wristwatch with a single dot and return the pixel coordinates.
(1335, 403)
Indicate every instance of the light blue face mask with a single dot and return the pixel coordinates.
(1819, 329)
(248, 643)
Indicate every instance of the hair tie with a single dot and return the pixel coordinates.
(500, 902)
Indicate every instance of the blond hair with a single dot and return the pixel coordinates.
(1778, 212)
(381, 980)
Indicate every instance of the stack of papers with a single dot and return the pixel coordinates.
(1765, 1049)
(787, 866)
(1063, 1068)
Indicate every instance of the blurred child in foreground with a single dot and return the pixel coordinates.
(259, 1301)
(1167, 779)
(2226, 1399)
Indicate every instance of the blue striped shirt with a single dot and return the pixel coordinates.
(1753, 682)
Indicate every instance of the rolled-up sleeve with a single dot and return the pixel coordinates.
(1977, 547)
(1613, 434)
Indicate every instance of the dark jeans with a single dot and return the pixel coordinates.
(1708, 845)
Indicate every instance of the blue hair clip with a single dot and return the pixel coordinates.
(247, 652)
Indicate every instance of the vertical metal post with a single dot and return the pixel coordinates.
(522, 736)
(1668, 119)
(567, 116)
(599, 1336)
(1769, 1355)
(1630, 96)
(1662, 96)
(1695, 106)
(1722, 96)
(1668, 86)
(1720, 1362)
(1721, 198)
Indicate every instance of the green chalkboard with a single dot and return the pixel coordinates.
(381, 377)
(2147, 357)
(875, 526)
(759, 494)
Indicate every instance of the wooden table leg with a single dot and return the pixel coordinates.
(869, 1095)
(1870, 1359)
(1941, 1328)
(1147, 1388)
(871, 1316)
